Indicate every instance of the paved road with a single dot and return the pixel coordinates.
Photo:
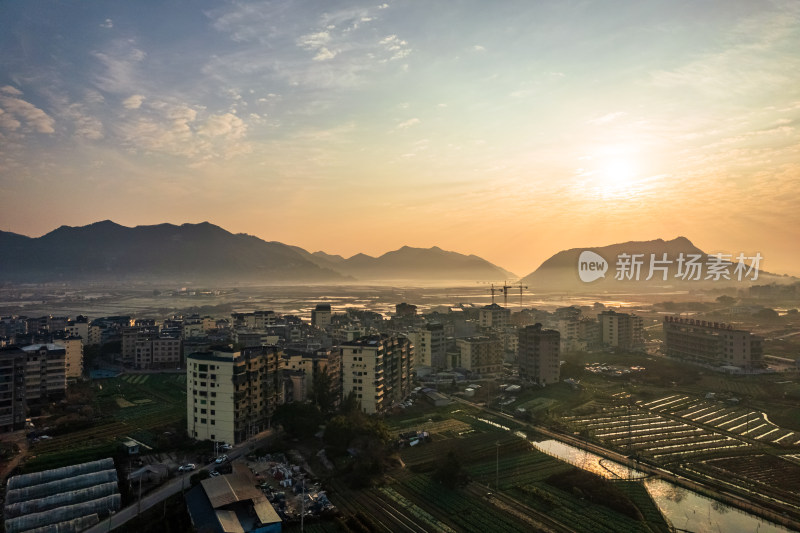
(174, 486)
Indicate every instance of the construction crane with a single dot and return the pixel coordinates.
(505, 288)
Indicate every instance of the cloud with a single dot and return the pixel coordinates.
(408, 123)
(396, 46)
(323, 54)
(479, 48)
(338, 49)
(228, 125)
(86, 126)
(108, 23)
(8, 89)
(183, 130)
(119, 68)
(133, 102)
(20, 114)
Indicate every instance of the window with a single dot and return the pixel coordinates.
(202, 420)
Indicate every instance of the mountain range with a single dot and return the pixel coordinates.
(561, 272)
(205, 253)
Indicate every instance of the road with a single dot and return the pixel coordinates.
(174, 486)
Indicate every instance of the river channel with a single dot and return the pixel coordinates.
(685, 510)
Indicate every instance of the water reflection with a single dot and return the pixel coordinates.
(685, 509)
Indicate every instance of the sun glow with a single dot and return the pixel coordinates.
(612, 172)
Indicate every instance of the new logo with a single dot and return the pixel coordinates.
(591, 266)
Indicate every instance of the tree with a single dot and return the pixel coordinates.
(301, 420)
(449, 473)
(321, 391)
(350, 404)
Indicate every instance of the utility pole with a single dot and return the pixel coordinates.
(497, 467)
(139, 505)
(303, 505)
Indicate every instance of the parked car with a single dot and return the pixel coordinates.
(225, 446)
(187, 467)
(213, 473)
(221, 459)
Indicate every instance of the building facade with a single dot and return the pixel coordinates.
(539, 355)
(621, 330)
(377, 369)
(231, 395)
(712, 343)
(481, 355)
(45, 372)
(73, 360)
(12, 389)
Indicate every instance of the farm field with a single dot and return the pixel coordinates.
(489, 451)
(131, 405)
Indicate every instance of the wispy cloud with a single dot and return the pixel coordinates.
(133, 101)
(119, 68)
(22, 116)
(408, 123)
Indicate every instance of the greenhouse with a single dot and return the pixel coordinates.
(63, 499)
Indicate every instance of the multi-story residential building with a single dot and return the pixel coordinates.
(79, 328)
(539, 354)
(494, 316)
(377, 369)
(481, 355)
(231, 395)
(45, 372)
(11, 326)
(133, 336)
(257, 320)
(712, 343)
(158, 352)
(73, 360)
(321, 316)
(430, 346)
(621, 330)
(308, 364)
(12, 389)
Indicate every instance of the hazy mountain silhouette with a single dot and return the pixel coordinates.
(106, 251)
(560, 272)
(407, 263)
(205, 253)
(422, 263)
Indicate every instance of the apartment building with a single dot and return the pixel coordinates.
(73, 359)
(621, 330)
(539, 355)
(12, 389)
(45, 372)
(481, 355)
(430, 346)
(231, 395)
(494, 316)
(321, 316)
(377, 369)
(712, 343)
(303, 365)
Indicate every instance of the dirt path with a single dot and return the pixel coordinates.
(18, 438)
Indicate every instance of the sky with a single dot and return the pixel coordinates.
(510, 130)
